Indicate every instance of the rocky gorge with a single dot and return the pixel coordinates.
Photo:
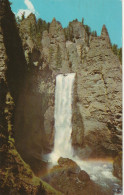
(29, 64)
(97, 93)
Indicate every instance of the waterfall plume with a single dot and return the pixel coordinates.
(63, 115)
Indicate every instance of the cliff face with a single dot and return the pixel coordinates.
(99, 92)
(28, 68)
(32, 132)
(16, 176)
(96, 129)
(4, 90)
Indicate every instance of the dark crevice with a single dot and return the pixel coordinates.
(16, 63)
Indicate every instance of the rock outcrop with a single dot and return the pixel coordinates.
(98, 86)
(16, 177)
(31, 118)
(29, 64)
(117, 166)
(34, 63)
(99, 93)
(69, 179)
(97, 114)
(77, 122)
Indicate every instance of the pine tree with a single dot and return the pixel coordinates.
(115, 49)
(94, 33)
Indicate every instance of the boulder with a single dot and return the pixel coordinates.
(70, 182)
(117, 166)
(83, 176)
(69, 165)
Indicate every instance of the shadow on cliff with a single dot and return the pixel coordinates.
(17, 76)
(16, 63)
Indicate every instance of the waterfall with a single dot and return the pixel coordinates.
(62, 142)
(63, 115)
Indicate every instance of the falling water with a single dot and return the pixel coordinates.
(63, 115)
(62, 142)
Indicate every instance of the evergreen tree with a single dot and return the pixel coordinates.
(88, 30)
(115, 49)
(120, 54)
(82, 21)
(23, 16)
(39, 24)
(94, 33)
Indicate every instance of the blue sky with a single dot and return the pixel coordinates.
(95, 13)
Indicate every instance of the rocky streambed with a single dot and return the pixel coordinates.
(101, 172)
(92, 177)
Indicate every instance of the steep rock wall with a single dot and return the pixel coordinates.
(98, 86)
(55, 51)
(16, 176)
(32, 119)
(97, 92)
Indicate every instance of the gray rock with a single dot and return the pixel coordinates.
(97, 101)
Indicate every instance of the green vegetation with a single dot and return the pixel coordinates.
(89, 32)
(41, 25)
(82, 21)
(19, 20)
(94, 33)
(69, 32)
(117, 51)
(18, 177)
(51, 51)
(87, 29)
(50, 189)
(23, 16)
(36, 31)
(69, 35)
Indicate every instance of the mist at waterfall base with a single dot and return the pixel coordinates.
(99, 171)
(63, 115)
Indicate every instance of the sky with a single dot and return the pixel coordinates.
(95, 13)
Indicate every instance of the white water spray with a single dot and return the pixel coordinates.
(63, 115)
(63, 130)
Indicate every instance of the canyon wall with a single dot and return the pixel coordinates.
(16, 177)
(29, 63)
(28, 73)
(97, 112)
